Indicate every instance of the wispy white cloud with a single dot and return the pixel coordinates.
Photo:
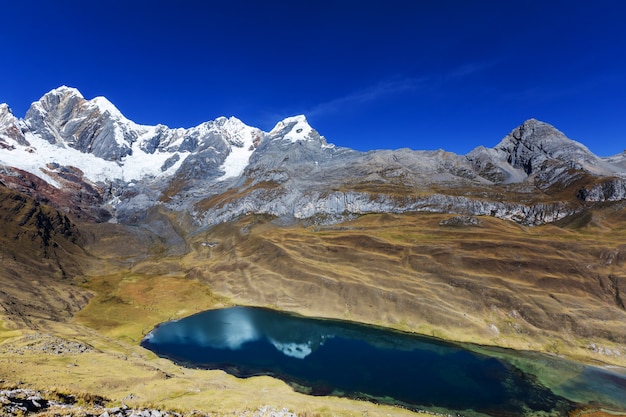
(387, 88)
(372, 93)
(469, 69)
(397, 85)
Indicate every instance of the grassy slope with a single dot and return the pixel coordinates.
(549, 288)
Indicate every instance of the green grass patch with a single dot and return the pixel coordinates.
(129, 306)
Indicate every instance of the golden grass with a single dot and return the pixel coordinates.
(116, 370)
(7, 333)
(125, 308)
(129, 306)
(550, 288)
(547, 288)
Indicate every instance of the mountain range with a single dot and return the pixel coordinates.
(223, 168)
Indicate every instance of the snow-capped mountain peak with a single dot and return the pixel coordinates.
(63, 91)
(237, 132)
(94, 136)
(63, 97)
(10, 128)
(294, 129)
(243, 139)
(4, 111)
(103, 105)
(6, 115)
(63, 116)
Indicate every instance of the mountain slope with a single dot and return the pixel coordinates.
(478, 281)
(41, 262)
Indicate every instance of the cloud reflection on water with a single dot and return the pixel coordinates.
(232, 328)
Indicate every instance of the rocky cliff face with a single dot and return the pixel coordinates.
(222, 169)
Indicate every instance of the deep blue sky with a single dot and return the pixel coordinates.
(423, 74)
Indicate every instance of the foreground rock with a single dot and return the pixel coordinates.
(26, 402)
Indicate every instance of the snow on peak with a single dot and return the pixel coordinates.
(300, 118)
(243, 140)
(294, 129)
(104, 105)
(40, 153)
(59, 97)
(64, 91)
(237, 132)
(6, 116)
(119, 148)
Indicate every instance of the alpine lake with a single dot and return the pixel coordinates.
(332, 357)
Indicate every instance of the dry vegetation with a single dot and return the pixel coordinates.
(549, 288)
(557, 288)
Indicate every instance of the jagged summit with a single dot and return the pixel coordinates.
(59, 94)
(4, 109)
(114, 148)
(537, 147)
(63, 116)
(11, 128)
(6, 115)
(64, 90)
(533, 142)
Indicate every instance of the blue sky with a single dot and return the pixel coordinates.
(422, 74)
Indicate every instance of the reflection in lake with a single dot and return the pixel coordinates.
(329, 357)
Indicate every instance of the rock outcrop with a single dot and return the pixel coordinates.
(19, 402)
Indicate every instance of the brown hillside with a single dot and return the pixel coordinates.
(548, 288)
(40, 262)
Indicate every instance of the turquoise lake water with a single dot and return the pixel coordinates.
(331, 357)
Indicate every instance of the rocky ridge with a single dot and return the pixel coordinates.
(67, 146)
